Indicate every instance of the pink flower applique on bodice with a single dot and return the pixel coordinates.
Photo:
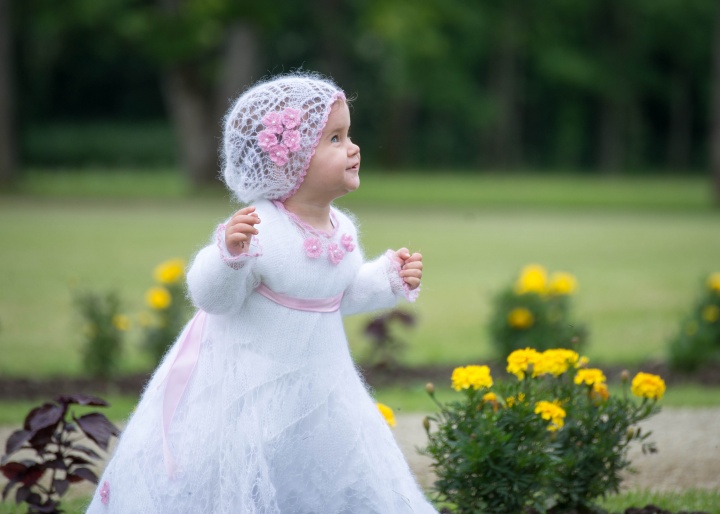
(319, 243)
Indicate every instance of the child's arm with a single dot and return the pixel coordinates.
(220, 277)
(380, 283)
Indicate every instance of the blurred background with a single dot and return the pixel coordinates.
(595, 87)
(577, 135)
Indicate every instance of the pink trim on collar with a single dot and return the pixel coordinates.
(307, 227)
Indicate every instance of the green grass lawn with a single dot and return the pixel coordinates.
(639, 259)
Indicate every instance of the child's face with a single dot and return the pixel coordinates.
(333, 170)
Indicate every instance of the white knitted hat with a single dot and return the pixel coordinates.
(271, 133)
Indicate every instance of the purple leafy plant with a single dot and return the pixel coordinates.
(55, 435)
(386, 347)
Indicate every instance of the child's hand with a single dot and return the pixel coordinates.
(411, 271)
(240, 229)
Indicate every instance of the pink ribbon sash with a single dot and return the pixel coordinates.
(301, 304)
(183, 365)
(177, 380)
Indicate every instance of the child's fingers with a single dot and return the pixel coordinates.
(412, 275)
(411, 272)
(237, 242)
(403, 253)
(412, 282)
(412, 265)
(240, 229)
(414, 257)
(246, 219)
(245, 210)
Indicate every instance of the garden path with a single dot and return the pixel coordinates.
(688, 442)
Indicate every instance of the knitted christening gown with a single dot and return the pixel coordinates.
(274, 418)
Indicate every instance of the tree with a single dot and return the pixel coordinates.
(206, 52)
(8, 159)
(715, 130)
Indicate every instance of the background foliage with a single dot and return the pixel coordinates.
(601, 84)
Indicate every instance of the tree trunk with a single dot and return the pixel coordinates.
(715, 116)
(240, 65)
(8, 154)
(612, 136)
(505, 137)
(680, 130)
(397, 132)
(197, 107)
(191, 113)
(615, 50)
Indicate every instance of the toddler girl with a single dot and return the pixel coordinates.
(258, 408)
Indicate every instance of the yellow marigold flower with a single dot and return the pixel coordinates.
(121, 322)
(590, 376)
(471, 376)
(533, 279)
(600, 392)
(582, 362)
(511, 400)
(491, 398)
(714, 282)
(711, 313)
(555, 362)
(647, 385)
(169, 272)
(551, 411)
(158, 298)
(520, 318)
(519, 361)
(562, 284)
(387, 413)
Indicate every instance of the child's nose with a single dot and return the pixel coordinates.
(354, 149)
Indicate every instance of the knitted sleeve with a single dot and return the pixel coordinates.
(219, 282)
(377, 285)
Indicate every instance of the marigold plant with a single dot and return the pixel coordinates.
(104, 328)
(698, 339)
(549, 436)
(168, 308)
(534, 311)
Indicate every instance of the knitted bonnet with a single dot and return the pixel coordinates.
(271, 133)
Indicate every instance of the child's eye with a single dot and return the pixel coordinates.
(335, 139)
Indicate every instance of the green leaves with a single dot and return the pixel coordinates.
(499, 455)
(698, 338)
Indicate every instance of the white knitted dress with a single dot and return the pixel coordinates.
(275, 418)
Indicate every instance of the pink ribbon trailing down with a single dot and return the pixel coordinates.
(177, 380)
(183, 365)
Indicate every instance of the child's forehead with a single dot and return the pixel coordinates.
(339, 116)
